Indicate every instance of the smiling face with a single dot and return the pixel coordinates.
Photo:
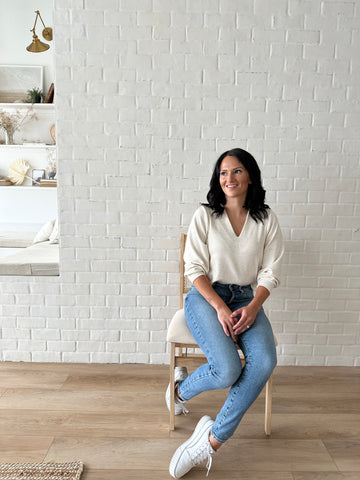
(234, 178)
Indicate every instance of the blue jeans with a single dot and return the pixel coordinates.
(224, 367)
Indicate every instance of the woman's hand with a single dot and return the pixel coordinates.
(247, 318)
(227, 321)
(248, 314)
(203, 286)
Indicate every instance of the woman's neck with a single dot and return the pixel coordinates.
(235, 205)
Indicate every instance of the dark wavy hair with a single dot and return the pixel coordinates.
(255, 198)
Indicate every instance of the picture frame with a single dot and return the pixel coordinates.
(16, 80)
(37, 174)
(50, 95)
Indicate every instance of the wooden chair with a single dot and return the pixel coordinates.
(181, 339)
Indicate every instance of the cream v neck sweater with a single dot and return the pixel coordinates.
(213, 249)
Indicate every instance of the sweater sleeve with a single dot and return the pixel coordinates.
(196, 255)
(269, 273)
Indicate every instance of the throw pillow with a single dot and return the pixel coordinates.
(54, 237)
(44, 232)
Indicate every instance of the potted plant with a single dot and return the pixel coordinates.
(35, 95)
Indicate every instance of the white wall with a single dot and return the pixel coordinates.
(27, 208)
(16, 20)
(149, 93)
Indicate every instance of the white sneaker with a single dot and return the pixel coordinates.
(194, 451)
(180, 374)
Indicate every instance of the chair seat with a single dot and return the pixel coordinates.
(178, 331)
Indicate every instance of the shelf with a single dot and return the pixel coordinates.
(25, 187)
(27, 146)
(40, 106)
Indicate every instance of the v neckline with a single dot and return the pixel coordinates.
(232, 228)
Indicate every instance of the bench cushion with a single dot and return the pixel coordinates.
(39, 259)
(16, 239)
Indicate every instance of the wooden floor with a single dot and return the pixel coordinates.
(114, 419)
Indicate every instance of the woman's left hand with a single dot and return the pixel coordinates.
(247, 318)
(248, 314)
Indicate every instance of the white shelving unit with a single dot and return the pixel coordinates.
(25, 207)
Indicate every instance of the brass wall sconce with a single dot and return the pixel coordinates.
(36, 45)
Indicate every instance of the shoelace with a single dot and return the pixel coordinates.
(199, 456)
(181, 404)
(209, 460)
(185, 411)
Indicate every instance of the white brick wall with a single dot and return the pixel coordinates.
(149, 93)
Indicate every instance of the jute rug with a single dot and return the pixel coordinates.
(41, 471)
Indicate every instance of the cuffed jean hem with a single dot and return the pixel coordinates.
(216, 438)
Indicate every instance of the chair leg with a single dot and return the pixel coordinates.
(268, 405)
(172, 388)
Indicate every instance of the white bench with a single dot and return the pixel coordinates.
(30, 259)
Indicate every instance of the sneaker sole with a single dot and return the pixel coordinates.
(178, 410)
(204, 424)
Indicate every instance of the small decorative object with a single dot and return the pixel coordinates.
(36, 45)
(50, 95)
(48, 182)
(51, 164)
(4, 181)
(10, 122)
(37, 175)
(18, 170)
(9, 136)
(52, 133)
(35, 95)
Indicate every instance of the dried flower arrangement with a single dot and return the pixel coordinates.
(51, 163)
(10, 122)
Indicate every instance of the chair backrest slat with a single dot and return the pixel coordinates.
(185, 283)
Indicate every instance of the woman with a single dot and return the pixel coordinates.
(233, 241)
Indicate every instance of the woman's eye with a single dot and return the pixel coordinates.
(238, 171)
(223, 174)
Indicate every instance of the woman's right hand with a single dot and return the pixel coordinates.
(227, 321)
(204, 287)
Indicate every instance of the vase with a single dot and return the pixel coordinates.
(9, 137)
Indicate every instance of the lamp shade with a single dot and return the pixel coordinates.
(37, 46)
